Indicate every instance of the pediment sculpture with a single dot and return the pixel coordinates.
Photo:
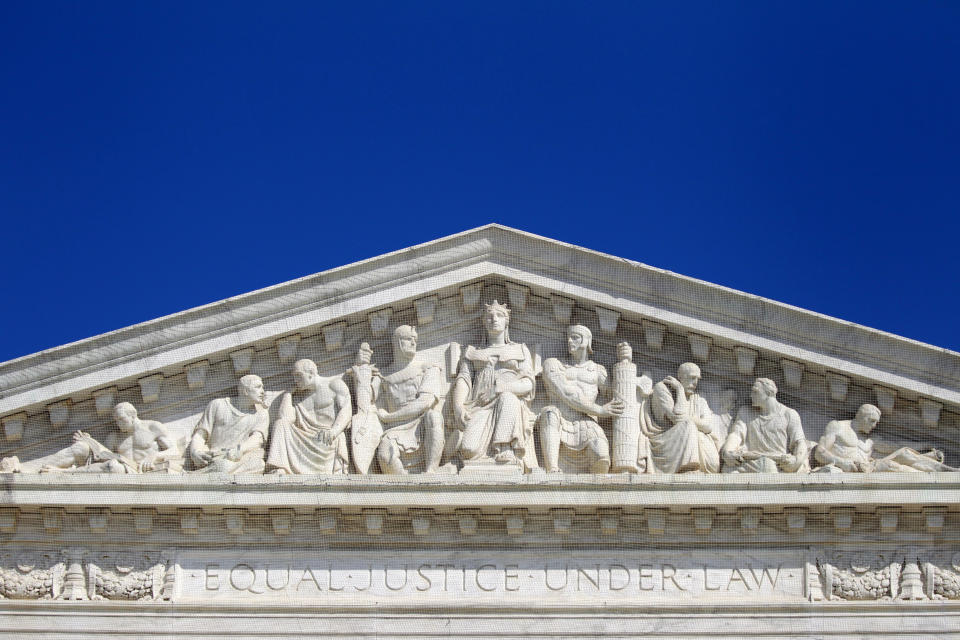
(392, 421)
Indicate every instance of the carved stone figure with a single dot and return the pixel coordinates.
(767, 437)
(308, 437)
(571, 421)
(631, 448)
(492, 394)
(682, 430)
(231, 435)
(141, 446)
(411, 389)
(366, 429)
(841, 448)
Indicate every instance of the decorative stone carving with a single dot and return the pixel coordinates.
(411, 390)
(30, 575)
(141, 446)
(943, 578)
(792, 373)
(682, 430)
(125, 576)
(929, 411)
(841, 448)
(860, 576)
(308, 435)
(570, 438)
(838, 386)
(766, 437)
(232, 433)
(366, 429)
(631, 449)
(491, 396)
(518, 296)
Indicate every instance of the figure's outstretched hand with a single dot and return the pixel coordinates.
(614, 408)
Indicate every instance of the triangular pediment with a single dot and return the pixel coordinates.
(170, 367)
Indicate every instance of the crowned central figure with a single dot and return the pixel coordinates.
(492, 394)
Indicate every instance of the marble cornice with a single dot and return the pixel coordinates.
(588, 277)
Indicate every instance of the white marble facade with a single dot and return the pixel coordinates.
(491, 424)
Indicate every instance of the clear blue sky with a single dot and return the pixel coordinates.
(155, 156)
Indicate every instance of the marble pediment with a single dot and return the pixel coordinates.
(533, 367)
(170, 368)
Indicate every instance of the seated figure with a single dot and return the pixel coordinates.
(767, 437)
(570, 423)
(307, 437)
(492, 394)
(232, 432)
(684, 433)
(141, 446)
(411, 389)
(841, 449)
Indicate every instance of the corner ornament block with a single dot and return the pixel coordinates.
(562, 308)
(839, 385)
(653, 333)
(104, 400)
(792, 373)
(470, 296)
(929, 412)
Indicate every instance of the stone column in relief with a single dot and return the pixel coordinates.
(631, 449)
(411, 389)
(570, 437)
(141, 446)
(492, 395)
(767, 437)
(308, 435)
(365, 429)
(841, 449)
(232, 432)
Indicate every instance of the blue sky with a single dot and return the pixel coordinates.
(155, 156)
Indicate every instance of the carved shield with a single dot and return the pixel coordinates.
(367, 432)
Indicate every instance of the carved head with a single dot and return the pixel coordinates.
(579, 336)
(496, 317)
(762, 390)
(405, 340)
(689, 376)
(867, 418)
(304, 373)
(125, 415)
(251, 387)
